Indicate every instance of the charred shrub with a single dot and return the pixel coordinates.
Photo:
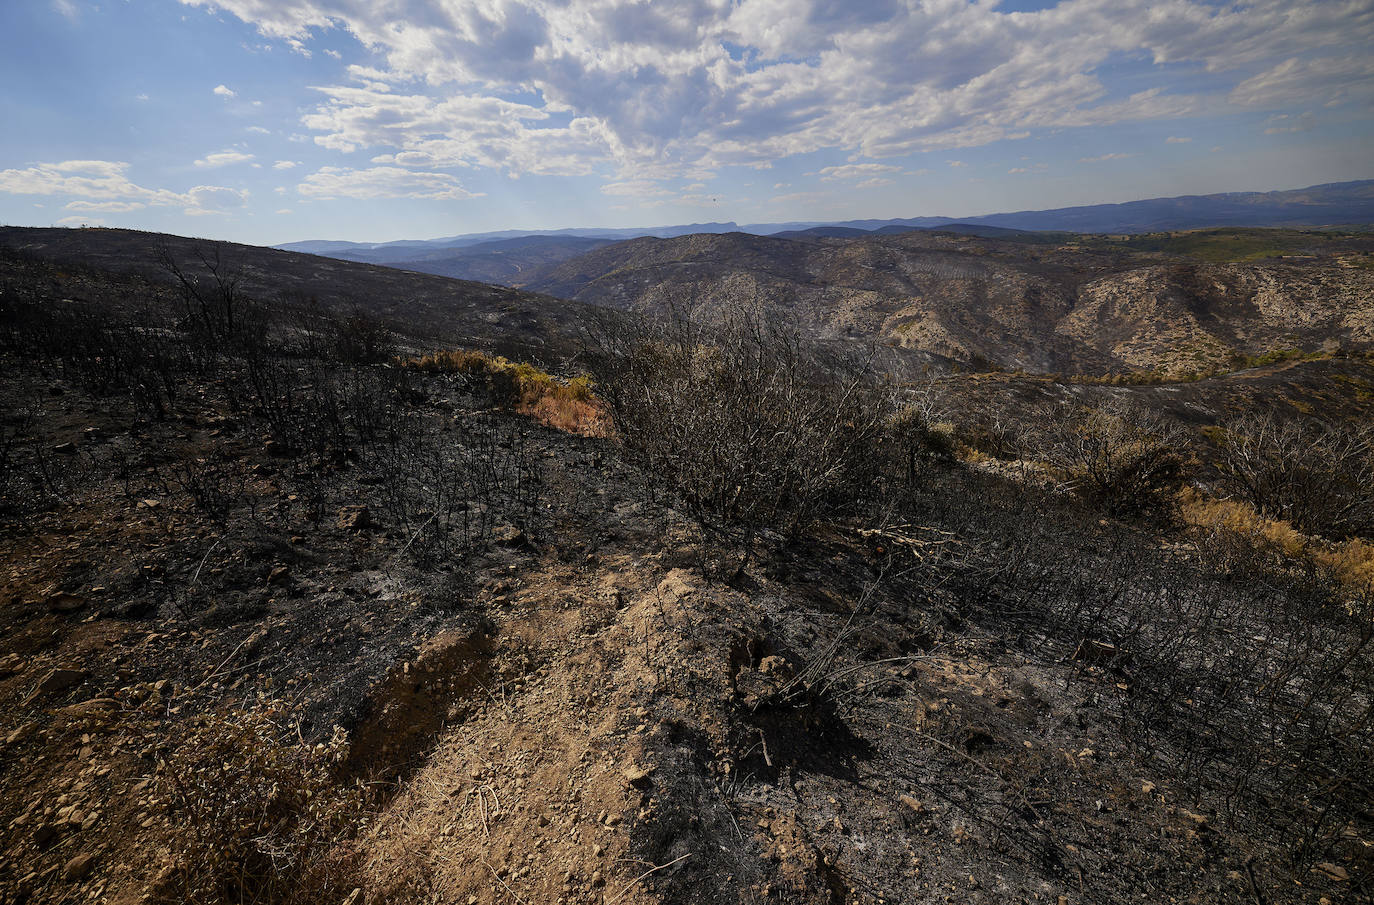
(1122, 457)
(451, 490)
(755, 429)
(1317, 475)
(254, 811)
(916, 441)
(361, 339)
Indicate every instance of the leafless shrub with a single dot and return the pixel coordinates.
(1317, 475)
(1123, 457)
(916, 441)
(361, 339)
(450, 490)
(254, 810)
(754, 428)
(1254, 689)
(217, 483)
(212, 300)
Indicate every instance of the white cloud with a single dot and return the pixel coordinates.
(285, 210)
(1101, 157)
(102, 185)
(214, 199)
(222, 159)
(638, 188)
(649, 89)
(141, 97)
(81, 221)
(381, 182)
(856, 171)
(874, 183)
(225, 91)
(67, 9)
(285, 164)
(90, 180)
(106, 207)
(259, 130)
(1324, 81)
(1177, 140)
(956, 163)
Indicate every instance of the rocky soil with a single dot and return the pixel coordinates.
(545, 685)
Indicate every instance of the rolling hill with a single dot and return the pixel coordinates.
(1084, 306)
(429, 308)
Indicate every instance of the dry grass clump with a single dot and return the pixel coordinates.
(566, 404)
(254, 811)
(1350, 562)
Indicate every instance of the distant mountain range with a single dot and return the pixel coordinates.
(509, 256)
(1332, 204)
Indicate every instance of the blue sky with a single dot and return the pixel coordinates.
(269, 121)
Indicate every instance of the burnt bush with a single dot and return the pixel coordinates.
(361, 339)
(1253, 689)
(254, 812)
(755, 429)
(1122, 457)
(1317, 475)
(449, 490)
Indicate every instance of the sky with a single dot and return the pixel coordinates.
(269, 121)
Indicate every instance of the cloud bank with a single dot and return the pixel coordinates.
(640, 90)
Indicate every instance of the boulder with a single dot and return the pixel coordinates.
(355, 518)
(59, 679)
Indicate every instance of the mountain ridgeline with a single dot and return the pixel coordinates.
(1186, 285)
(1077, 304)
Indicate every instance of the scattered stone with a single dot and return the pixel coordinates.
(80, 867)
(65, 449)
(96, 709)
(1090, 651)
(1334, 871)
(150, 503)
(63, 602)
(355, 518)
(639, 776)
(508, 536)
(279, 575)
(1199, 821)
(774, 664)
(11, 664)
(912, 803)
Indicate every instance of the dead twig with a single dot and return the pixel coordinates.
(631, 884)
